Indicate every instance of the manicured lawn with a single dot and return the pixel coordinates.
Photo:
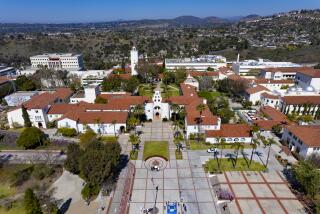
(209, 95)
(194, 145)
(146, 90)
(170, 90)
(228, 165)
(155, 148)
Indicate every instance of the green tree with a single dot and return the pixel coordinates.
(100, 100)
(25, 115)
(99, 162)
(31, 203)
(31, 138)
(221, 145)
(111, 83)
(178, 138)
(138, 111)
(133, 122)
(276, 129)
(308, 176)
(176, 109)
(73, 158)
(86, 138)
(131, 84)
(134, 140)
(254, 144)
(24, 83)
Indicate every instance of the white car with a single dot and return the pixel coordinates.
(212, 150)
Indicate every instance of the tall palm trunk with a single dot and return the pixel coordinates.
(253, 150)
(268, 155)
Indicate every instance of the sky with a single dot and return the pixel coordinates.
(66, 11)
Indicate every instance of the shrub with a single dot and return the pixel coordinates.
(31, 203)
(86, 138)
(165, 119)
(42, 171)
(89, 192)
(67, 132)
(31, 138)
(21, 176)
(73, 156)
(52, 124)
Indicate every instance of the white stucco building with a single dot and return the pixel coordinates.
(58, 61)
(243, 67)
(89, 94)
(230, 133)
(201, 63)
(303, 140)
(157, 109)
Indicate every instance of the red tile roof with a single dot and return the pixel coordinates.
(193, 115)
(270, 81)
(273, 114)
(203, 73)
(314, 73)
(300, 100)
(88, 117)
(310, 135)
(287, 69)
(256, 89)
(269, 96)
(231, 130)
(63, 93)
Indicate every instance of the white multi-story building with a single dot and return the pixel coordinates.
(134, 61)
(247, 66)
(303, 140)
(58, 61)
(309, 78)
(202, 63)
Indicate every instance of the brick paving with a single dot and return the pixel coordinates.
(259, 192)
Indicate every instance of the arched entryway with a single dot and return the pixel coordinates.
(122, 129)
(157, 112)
(40, 125)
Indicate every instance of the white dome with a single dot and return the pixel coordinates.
(292, 89)
(309, 88)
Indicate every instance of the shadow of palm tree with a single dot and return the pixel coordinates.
(259, 154)
(245, 156)
(232, 158)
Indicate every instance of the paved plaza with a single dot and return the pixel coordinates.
(185, 180)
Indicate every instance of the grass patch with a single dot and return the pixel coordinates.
(134, 155)
(209, 95)
(155, 148)
(17, 208)
(179, 155)
(195, 145)
(170, 91)
(146, 90)
(228, 165)
(6, 190)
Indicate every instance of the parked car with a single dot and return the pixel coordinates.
(212, 150)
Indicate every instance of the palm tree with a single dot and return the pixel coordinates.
(134, 140)
(133, 122)
(176, 109)
(114, 122)
(200, 108)
(177, 140)
(221, 144)
(270, 143)
(138, 110)
(254, 145)
(238, 147)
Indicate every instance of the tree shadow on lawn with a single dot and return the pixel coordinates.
(232, 158)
